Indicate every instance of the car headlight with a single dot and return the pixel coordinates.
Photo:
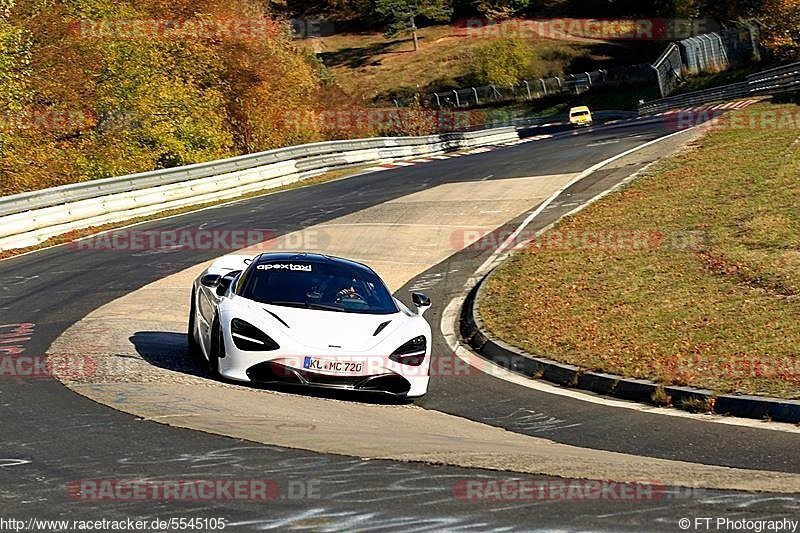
(411, 353)
(249, 338)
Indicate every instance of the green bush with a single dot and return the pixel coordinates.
(502, 62)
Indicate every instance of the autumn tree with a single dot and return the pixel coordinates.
(781, 28)
(403, 14)
(499, 9)
(144, 103)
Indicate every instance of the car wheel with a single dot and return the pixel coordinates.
(217, 348)
(194, 346)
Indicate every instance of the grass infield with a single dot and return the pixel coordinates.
(689, 275)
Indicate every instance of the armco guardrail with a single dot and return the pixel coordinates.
(773, 81)
(725, 92)
(30, 218)
(539, 88)
(561, 119)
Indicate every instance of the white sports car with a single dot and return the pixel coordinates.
(308, 319)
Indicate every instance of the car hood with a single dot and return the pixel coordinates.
(326, 330)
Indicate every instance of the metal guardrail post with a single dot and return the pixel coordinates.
(475, 92)
(458, 103)
(528, 89)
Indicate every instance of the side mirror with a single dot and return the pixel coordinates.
(224, 285)
(210, 280)
(226, 281)
(421, 301)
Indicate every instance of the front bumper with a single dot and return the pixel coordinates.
(271, 372)
(381, 375)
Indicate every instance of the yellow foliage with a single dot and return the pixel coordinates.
(156, 101)
(781, 19)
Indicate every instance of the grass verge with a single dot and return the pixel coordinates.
(690, 275)
(372, 67)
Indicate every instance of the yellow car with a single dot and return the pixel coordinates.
(580, 116)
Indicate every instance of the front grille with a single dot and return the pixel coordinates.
(391, 383)
(324, 379)
(271, 372)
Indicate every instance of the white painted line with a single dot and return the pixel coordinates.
(500, 254)
(603, 143)
(451, 315)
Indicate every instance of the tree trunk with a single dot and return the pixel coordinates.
(414, 34)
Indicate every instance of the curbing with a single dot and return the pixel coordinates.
(473, 333)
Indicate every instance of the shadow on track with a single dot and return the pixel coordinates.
(169, 350)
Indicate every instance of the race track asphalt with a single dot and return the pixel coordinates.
(52, 436)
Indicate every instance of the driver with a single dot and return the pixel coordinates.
(349, 293)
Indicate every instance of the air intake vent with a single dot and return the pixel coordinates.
(381, 328)
(279, 319)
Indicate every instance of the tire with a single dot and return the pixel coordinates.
(193, 345)
(217, 348)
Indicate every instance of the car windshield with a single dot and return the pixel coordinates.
(579, 113)
(320, 286)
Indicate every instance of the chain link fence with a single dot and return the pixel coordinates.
(707, 53)
(668, 69)
(542, 87)
(713, 52)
